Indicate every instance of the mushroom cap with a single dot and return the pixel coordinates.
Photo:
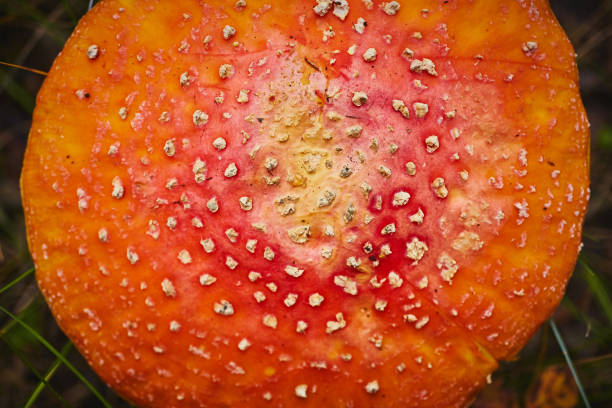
(274, 203)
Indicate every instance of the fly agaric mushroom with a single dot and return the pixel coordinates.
(329, 203)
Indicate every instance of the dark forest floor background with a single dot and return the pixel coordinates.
(34, 31)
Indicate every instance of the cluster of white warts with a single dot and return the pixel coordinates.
(415, 249)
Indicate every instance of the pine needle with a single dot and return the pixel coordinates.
(34, 70)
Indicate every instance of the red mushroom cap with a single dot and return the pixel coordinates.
(295, 203)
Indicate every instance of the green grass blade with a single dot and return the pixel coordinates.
(33, 369)
(57, 354)
(69, 11)
(600, 333)
(568, 359)
(50, 26)
(18, 93)
(16, 280)
(44, 382)
(25, 312)
(598, 288)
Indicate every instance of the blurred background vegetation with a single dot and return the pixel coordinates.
(34, 31)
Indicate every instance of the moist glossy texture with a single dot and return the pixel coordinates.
(270, 205)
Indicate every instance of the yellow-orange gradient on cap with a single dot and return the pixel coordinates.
(296, 203)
